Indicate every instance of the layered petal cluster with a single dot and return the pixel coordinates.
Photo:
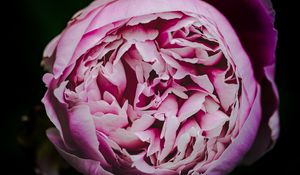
(156, 87)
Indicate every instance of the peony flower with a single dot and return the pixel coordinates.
(163, 86)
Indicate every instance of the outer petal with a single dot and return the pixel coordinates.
(241, 144)
(72, 35)
(56, 111)
(86, 166)
(49, 54)
(269, 129)
(83, 132)
(253, 22)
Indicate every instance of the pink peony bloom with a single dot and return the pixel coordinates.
(163, 86)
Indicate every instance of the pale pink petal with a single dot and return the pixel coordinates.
(188, 130)
(103, 107)
(122, 50)
(59, 92)
(204, 82)
(186, 43)
(83, 131)
(142, 19)
(57, 113)
(227, 92)
(107, 47)
(147, 50)
(169, 106)
(108, 123)
(126, 139)
(142, 123)
(170, 15)
(269, 128)
(205, 59)
(211, 105)
(154, 146)
(210, 121)
(170, 61)
(148, 135)
(48, 54)
(47, 79)
(184, 52)
(171, 125)
(133, 58)
(148, 18)
(139, 33)
(185, 22)
(93, 91)
(191, 106)
(116, 75)
(179, 57)
(49, 50)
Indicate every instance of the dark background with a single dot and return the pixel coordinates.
(30, 24)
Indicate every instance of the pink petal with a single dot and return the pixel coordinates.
(210, 121)
(122, 50)
(89, 40)
(189, 129)
(93, 91)
(48, 54)
(150, 17)
(210, 105)
(147, 50)
(185, 22)
(142, 19)
(205, 59)
(49, 50)
(186, 43)
(227, 92)
(169, 106)
(204, 82)
(151, 136)
(184, 51)
(191, 106)
(142, 123)
(170, 61)
(103, 107)
(171, 125)
(116, 75)
(86, 166)
(126, 139)
(47, 79)
(139, 33)
(68, 42)
(108, 123)
(106, 149)
(83, 131)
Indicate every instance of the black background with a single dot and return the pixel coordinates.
(28, 25)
